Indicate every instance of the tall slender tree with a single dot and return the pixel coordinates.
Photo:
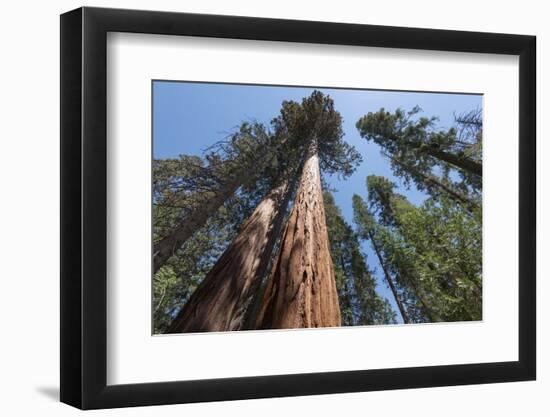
(418, 144)
(371, 308)
(359, 302)
(367, 229)
(442, 247)
(433, 185)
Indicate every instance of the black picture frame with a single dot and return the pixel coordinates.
(84, 207)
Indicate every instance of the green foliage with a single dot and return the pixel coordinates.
(414, 142)
(392, 259)
(176, 183)
(434, 249)
(264, 155)
(316, 119)
(184, 185)
(359, 302)
(180, 186)
(174, 283)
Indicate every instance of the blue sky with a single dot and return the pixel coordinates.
(188, 117)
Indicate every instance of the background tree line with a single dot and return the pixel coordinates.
(248, 236)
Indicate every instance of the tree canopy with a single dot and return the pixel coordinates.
(436, 247)
(413, 141)
(248, 235)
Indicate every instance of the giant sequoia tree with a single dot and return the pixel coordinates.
(225, 298)
(248, 236)
(301, 290)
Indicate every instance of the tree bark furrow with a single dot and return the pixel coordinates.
(302, 288)
(222, 299)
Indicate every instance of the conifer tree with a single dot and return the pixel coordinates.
(414, 142)
(225, 298)
(368, 229)
(359, 302)
(301, 291)
(234, 163)
(439, 247)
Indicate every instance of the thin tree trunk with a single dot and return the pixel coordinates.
(419, 294)
(301, 292)
(199, 215)
(222, 299)
(346, 296)
(430, 180)
(389, 279)
(422, 298)
(429, 312)
(464, 163)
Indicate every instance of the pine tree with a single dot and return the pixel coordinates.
(439, 247)
(417, 144)
(433, 185)
(369, 230)
(359, 302)
(341, 241)
(234, 163)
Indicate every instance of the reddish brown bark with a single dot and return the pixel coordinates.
(222, 299)
(301, 291)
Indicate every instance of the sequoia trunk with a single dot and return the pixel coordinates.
(222, 299)
(301, 291)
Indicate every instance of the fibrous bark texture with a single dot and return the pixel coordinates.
(301, 290)
(221, 301)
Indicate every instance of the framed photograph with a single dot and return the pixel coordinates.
(257, 208)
